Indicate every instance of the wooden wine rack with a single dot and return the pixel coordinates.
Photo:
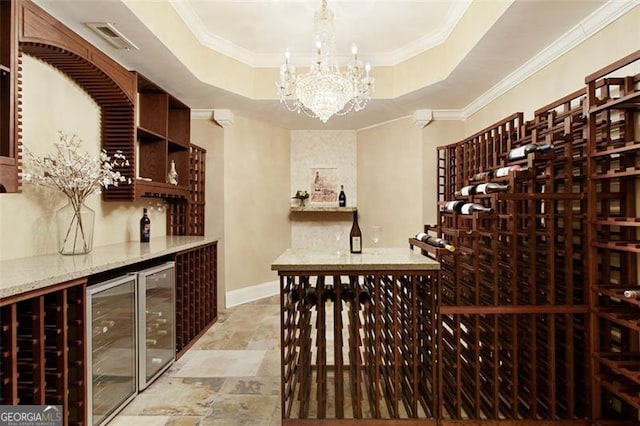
(43, 349)
(613, 152)
(512, 338)
(197, 294)
(385, 365)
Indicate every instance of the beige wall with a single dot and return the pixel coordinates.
(390, 182)
(208, 135)
(565, 75)
(256, 201)
(52, 102)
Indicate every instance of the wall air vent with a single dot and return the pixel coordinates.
(109, 32)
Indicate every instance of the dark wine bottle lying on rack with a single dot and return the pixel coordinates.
(364, 298)
(521, 152)
(483, 188)
(329, 294)
(346, 293)
(631, 294)
(435, 241)
(462, 207)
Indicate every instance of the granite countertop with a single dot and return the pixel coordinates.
(380, 259)
(31, 273)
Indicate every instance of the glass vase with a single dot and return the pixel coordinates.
(75, 229)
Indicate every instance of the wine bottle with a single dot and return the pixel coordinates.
(311, 297)
(342, 197)
(346, 293)
(491, 188)
(364, 298)
(469, 208)
(483, 188)
(466, 191)
(504, 171)
(465, 208)
(483, 175)
(524, 150)
(145, 227)
(631, 294)
(435, 241)
(355, 236)
(329, 294)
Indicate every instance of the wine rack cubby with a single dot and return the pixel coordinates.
(197, 294)
(43, 349)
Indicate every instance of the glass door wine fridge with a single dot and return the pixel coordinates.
(112, 347)
(156, 337)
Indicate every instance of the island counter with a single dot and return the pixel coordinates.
(357, 334)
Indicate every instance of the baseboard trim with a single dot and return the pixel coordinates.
(249, 294)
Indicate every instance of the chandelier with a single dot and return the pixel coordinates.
(325, 90)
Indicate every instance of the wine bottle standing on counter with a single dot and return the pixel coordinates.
(355, 236)
(435, 241)
(145, 227)
(342, 197)
(483, 188)
(522, 151)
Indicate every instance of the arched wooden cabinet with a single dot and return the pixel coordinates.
(139, 118)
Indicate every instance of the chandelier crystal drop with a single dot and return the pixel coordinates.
(325, 90)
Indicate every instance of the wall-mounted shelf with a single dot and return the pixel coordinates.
(323, 209)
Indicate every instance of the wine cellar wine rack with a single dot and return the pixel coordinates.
(533, 323)
(358, 345)
(511, 331)
(43, 350)
(613, 151)
(197, 294)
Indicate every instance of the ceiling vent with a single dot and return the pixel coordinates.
(114, 37)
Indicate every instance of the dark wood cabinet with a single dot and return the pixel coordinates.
(43, 339)
(9, 158)
(43, 349)
(162, 138)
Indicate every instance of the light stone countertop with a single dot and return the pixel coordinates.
(30, 273)
(379, 259)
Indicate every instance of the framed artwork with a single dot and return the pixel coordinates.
(324, 186)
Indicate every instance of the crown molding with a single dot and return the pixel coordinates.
(428, 41)
(201, 114)
(589, 26)
(449, 115)
(219, 44)
(268, 60)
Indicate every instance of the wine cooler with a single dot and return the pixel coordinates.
(112, 363)
(156, 319)
(131, 337)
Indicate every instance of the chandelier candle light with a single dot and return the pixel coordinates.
(325, 91)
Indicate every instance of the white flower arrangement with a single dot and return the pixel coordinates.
(75, 174)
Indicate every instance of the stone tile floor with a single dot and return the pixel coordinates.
(230, 376)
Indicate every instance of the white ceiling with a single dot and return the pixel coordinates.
(387, 32)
